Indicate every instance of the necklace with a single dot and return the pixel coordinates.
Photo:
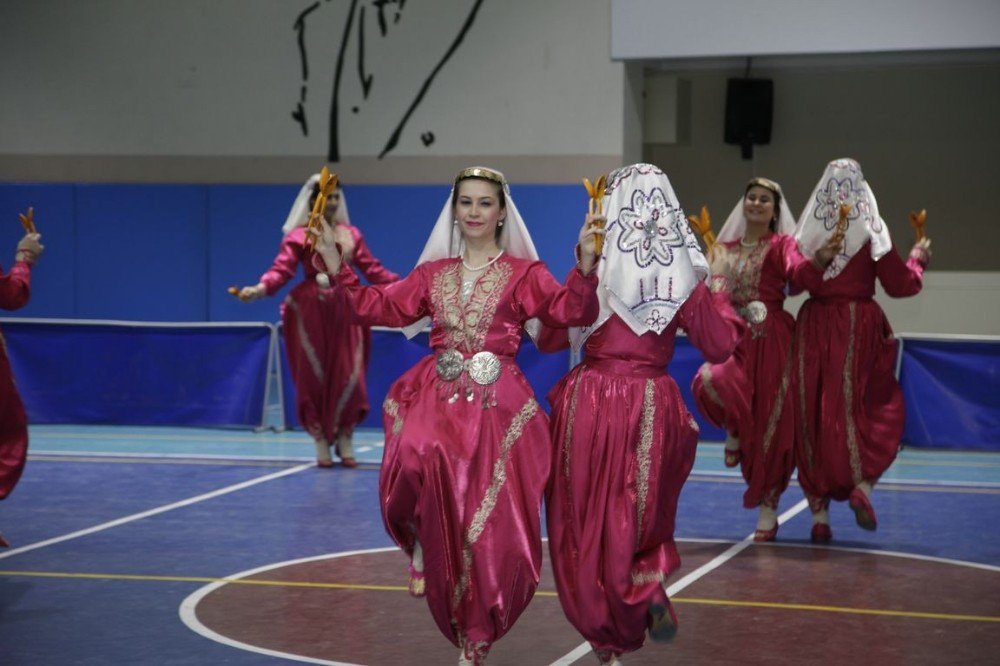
(476, 269)
(744, 243)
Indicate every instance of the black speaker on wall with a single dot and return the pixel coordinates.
(749, 103)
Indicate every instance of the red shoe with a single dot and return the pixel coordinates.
(765, 535)
(732, 457)
(821, 533)
(325, 464)
(347, 457)
(3, 542)
(661, 621)
(349, 462)
(864, 513)
(418, 584)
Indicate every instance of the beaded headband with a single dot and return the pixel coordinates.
(480, 172)
(766, 183)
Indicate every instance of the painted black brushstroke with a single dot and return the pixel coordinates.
(300, 27)
(366, 81)
(333, 154)
(394, 139)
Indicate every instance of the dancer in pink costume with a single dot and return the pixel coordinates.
(467, 447)
(850, 406)
(327, 354)
(15, 289)
(749, 395)
(624, 440)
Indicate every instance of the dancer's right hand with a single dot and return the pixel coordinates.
(829, 250)
(325, 243)
(251, 294)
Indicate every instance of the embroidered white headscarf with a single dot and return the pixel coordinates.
(842, 183)
(736, 224)
(299, 214)
(652, 261)
(446, 240)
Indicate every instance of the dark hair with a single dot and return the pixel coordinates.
(774, 189)
(500, 197)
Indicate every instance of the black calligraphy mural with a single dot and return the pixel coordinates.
(366, 29)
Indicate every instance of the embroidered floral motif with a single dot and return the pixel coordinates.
(467, 325)
(705, 371)
(646, 577)
(649, 228)
(746, 280)
(485, 510)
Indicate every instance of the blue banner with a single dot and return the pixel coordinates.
(140, 375)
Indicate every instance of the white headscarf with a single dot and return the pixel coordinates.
(736, 224)
(299, 214)
(446, 241)
(652, 261)
(842, 183)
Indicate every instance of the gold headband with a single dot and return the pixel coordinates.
(766, 183)
(480, 172)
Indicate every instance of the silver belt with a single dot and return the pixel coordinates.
(754, 312)
(483, 368)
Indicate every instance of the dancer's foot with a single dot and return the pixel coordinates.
(821, 533)
(864, 512)
(767, 524)
(732, 454)
(473, 654)
(418, 585)
(323, 458)
(607, 657)
(345, 449)
(661, 621)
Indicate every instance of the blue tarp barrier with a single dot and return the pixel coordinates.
(952, 393)
(132, 374)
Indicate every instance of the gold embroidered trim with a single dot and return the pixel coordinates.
(643, 458)
(352, 382)
(391, 407)
(307, 346)
(852, 433)
(478, 523)
(467, 325)
(570, 418)
(746, 278)
(779, 404)
(706, 382)
(647, 577)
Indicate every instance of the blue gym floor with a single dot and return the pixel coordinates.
(115, 530)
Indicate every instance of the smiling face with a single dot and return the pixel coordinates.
(479, 207)
(760, 207)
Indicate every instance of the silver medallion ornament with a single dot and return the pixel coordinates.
(323, 280)
(754, 312)
(450, 365)
(484, 368)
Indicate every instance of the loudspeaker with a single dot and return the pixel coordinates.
(749, 103)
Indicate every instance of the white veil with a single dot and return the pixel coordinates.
(299, 214)
(842, 183)
(736, 224)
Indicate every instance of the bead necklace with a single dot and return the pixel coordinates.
(476, 269)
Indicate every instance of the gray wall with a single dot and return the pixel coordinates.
(926, 131)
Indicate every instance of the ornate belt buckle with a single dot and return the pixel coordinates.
(450, 365)
(484, 368)
(755, 312)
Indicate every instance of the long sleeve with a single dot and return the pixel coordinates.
(286, 264)
(552, 339)
(15, 287)
(793, 263)
(370, 267)
(575, 304)
(804, 275)
(395, 304)
(900, 278)
(711, 323)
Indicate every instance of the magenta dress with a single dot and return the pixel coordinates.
(327, 355)
(15, 289)
(465, 465)
(850, 404)
(749, 395)
(624, 445)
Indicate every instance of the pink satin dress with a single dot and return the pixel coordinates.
(850, 406)
(624, 446)
(749, 395)
(465, 464)
(327, 354)
(15, 289)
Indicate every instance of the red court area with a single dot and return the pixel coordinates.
(767, 604)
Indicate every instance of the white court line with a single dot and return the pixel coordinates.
(717, 561)
(153, 512)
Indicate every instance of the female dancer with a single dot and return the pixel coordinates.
(467, 448)
(327, 355)
(748, 394)
(624, 441)
(850, 404)
(15, 289)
